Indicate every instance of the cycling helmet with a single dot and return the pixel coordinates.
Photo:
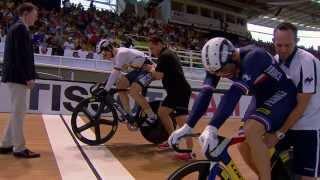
(216, 53)
(104, 45)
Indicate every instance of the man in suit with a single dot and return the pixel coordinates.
(19, 75)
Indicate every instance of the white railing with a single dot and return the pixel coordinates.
(188, 58)
(193, 74)
(191, 61)
(103, 66)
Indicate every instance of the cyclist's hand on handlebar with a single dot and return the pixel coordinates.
(177, 134)
(101, 93)
(148, 67)
(209, 139)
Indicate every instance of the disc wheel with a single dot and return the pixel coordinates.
(94, 122)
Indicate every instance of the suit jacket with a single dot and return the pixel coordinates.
(18, 59)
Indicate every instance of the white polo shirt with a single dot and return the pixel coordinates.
(304, 70)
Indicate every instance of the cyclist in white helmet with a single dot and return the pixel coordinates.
(137, 78)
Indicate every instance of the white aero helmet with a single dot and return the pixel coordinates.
(104, 44)
(216, 53)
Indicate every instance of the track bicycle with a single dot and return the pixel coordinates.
(219, 164)
(102, 115)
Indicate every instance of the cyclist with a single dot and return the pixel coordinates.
(254, 71)
(137, 79)
(201, 105)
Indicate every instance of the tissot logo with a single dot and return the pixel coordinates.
(308, 80)
(61, 97)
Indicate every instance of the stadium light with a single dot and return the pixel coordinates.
(316, 1)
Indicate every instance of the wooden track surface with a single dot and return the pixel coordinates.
(142, 159)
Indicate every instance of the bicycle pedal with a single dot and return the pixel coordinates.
(132, 127)
(122, 121)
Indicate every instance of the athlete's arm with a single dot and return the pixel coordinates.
(226, 106)
(258, 59)
(200, 106)
(203, 99)
(115, 73)
(120, 60)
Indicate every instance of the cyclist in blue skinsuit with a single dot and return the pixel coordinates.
(254, 71)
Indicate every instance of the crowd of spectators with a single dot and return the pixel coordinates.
(73, 27)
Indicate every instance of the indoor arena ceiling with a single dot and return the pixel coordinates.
(303, 13)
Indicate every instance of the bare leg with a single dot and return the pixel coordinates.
(123, 83)
(246, 155)
(254, 132)
(164, 114)
(135, 93)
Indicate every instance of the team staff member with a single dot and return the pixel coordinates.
(19, 75)
(178, 90)
(304, 121)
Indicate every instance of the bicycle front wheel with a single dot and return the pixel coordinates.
(198, 170)
(93, 122)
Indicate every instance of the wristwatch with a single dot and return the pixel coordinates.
(280, 135)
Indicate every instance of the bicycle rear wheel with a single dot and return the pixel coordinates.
(155, 133)
(197, 170)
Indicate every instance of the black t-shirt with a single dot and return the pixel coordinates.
(174, 81)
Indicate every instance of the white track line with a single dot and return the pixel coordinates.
(68, 157)
(103, 160)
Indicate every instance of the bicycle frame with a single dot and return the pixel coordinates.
(124, 114)
(220, 154)
(97, 107)
(230, 170)
(220, 164)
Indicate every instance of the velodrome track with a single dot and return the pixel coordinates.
(127, 156)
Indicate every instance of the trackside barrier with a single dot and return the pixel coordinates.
(60, 97)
